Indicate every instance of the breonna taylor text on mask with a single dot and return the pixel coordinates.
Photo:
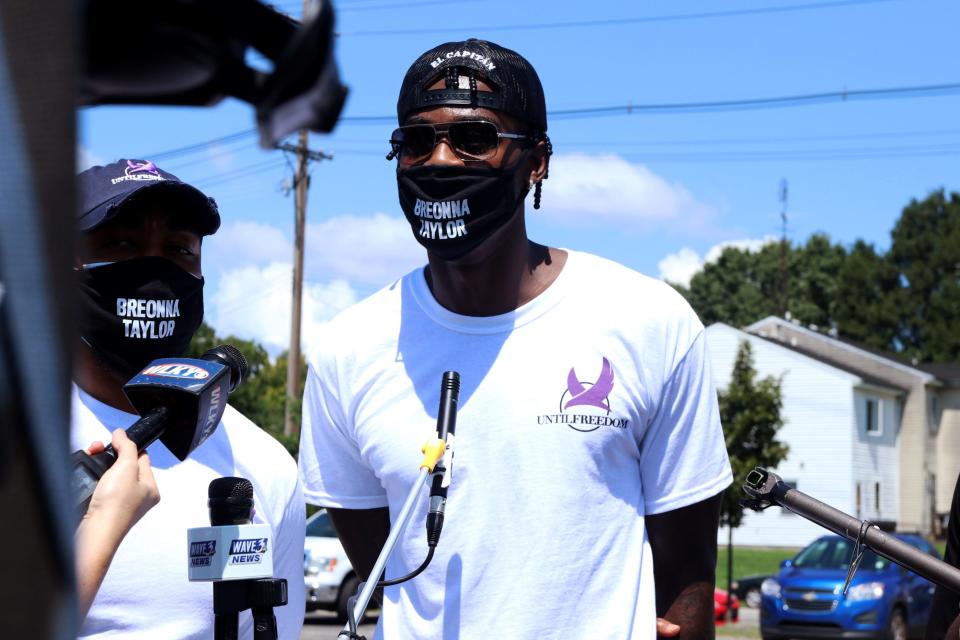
(441, 220)
(155, 327)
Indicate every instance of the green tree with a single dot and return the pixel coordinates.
(742, 287)
(262, 394)
(738, 288)
(813, 280)
(925, 251)
(867, 305)
(750, 414)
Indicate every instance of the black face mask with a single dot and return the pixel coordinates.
(453, 209)
(138, 310)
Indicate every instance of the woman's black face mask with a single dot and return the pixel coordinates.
(453, 209)
(135, 311)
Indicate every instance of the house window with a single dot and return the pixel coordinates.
(876, 497)
(934, 414)
(859, 502)
(872, 416)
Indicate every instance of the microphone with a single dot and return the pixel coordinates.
(180, 401)
(237, 557)
(231, 548)
(446, 425)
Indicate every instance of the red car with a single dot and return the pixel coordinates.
(720, 602)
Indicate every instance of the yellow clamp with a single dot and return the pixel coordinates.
(432, 452)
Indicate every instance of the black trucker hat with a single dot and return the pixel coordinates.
(103, 190)
(516, 87)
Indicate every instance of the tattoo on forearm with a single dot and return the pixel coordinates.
(693, 611)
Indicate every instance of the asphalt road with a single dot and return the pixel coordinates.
(322, 625)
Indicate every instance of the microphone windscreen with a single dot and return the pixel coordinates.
(230, 500)
(229, 356)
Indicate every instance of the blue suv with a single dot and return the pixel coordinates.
(885, 601)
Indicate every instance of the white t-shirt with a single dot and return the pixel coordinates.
(146, 594)
(579, 413)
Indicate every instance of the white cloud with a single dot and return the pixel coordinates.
(249, 273)
(254, 303)
(365, 250)
(86, 159)
(680, 267)
(238, 244)
(607, 188)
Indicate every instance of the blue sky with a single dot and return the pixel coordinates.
(659, 192)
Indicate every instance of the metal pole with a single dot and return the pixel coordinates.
(766, 489)
(301, 182)
(402, 520)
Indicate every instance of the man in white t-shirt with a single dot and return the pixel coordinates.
(140, 291)
(589, 454)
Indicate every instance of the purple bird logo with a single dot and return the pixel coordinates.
(141, 167)
(593, 396)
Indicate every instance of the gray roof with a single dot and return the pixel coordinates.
(947, 372)
(836, 364)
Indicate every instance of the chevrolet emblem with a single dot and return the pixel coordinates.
(810, 596)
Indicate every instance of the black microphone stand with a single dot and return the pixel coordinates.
(230, 597)
(231, 503)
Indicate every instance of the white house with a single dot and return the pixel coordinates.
(842, 428)
(929, 420)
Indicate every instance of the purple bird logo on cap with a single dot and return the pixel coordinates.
(593, 396)
(141, 167)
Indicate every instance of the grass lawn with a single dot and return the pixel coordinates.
(748, 561)
(738, 630)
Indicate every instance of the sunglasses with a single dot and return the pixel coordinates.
(469, 139)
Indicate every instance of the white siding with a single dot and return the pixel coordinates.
(819, 412)
(876, 459)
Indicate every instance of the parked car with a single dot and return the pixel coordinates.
(720, 603)
(327, 574)
(748, 589)
(884, 601)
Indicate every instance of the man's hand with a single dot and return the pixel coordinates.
(684, 546)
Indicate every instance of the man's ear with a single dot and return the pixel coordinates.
(539, 162)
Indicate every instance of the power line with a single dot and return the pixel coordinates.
(241, 172)
(677, 17)
(289, 7)
(715, 141)
(176, 167)
(863, 153)
(879, 135)
(199, 146)
(836, 153)
(739, 104)
(889, 93)
(749, 104)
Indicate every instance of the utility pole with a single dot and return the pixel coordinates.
(301, 183)
(784, 275)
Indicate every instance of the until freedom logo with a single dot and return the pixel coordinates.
(592, 401)
(139, 171)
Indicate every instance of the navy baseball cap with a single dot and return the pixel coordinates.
(102, 192)
(516, 86)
